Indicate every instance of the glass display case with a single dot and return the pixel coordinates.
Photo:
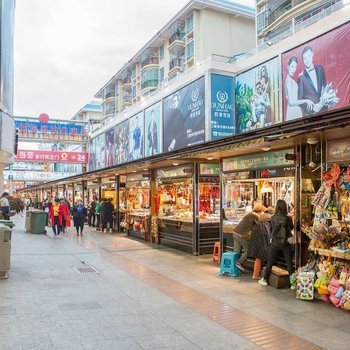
(137, 192)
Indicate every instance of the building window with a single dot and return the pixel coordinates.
(161, 52)
(189, 24)
(161, 74)
(189, 50)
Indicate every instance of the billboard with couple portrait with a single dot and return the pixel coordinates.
(316, 75)
(153, 130)
(184, 117)
(257, 97)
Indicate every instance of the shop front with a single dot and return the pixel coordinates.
(138, 200)
(265, 176)
(188, 207)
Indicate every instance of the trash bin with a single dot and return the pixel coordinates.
(8, 223)
(5, 250)
(38, 222)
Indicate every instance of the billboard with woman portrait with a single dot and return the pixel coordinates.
(92, 155)
(153, 130)
(100, 151)
(109, 148)
(121, 142)
(316, 75)
(257, 97)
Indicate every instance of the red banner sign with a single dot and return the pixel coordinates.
(51, 157)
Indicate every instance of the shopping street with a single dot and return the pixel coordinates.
(147, 297)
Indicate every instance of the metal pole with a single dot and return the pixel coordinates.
(117, 204)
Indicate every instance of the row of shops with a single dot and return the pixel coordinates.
(195, 199)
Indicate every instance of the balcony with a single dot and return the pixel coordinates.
(109, 94)
(177, 44)
(126, 84)
(149, 84)
(176, 65)
(110, 111)
(150, 62)
(127, 100)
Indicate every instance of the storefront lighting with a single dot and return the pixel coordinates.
(312, 140)
(145, 169)
(175, 164)
(210, 158)
(265, 148)
(133, 171)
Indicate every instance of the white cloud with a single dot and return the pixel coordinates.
(65, 50)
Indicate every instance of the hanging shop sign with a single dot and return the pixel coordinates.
(222, 106)
(259, 160)
(51, 156)
(257, 97)
(209, 169)
(137, 177)
(338, 151)
(182, 171)
(316, 75)
(52, 130)
(136, 137)
(37, 176)
(184, 117)
(153, 130)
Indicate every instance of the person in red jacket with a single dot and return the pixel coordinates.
(56, 217)
(66, 213)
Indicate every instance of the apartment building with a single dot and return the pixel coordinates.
(91, 114)
(198, 30)
(279, 19)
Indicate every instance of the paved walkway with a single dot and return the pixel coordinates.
(147, 297)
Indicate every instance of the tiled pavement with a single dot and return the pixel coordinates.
(147, 297)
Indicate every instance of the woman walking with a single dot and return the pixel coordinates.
(79, 215)
(56, 217)
(282, 226)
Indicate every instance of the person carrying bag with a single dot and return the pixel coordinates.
(282, 226)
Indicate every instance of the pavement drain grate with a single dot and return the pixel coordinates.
(86, 269)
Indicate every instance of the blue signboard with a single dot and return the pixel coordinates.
(222, 121)
(184, 117)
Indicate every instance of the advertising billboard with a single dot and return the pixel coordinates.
(222, 120)
(51, 156)
(121, 142)
(257, 97)
(136, 137)
(100, 151)
(153, 130)
(184, 117)
(109, 148)
(316, 75)
(92, 155)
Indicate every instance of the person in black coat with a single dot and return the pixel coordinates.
(92, 213)
(79, 215)
(280, 222)
(107, 215)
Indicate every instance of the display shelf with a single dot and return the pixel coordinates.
(331, 253)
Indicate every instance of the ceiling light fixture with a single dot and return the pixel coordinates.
(312, 140)
(175, 164)
(210, 158)
(265, 148)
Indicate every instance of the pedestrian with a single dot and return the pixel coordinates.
(56, 217)
(5, 205)
(79, 215)
(259, 244)
(282, 226)
(65, 214)
(242, 233)
(98, 214)
(92, 213)
(107, 215)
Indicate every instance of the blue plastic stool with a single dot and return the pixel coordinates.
(228, 264)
